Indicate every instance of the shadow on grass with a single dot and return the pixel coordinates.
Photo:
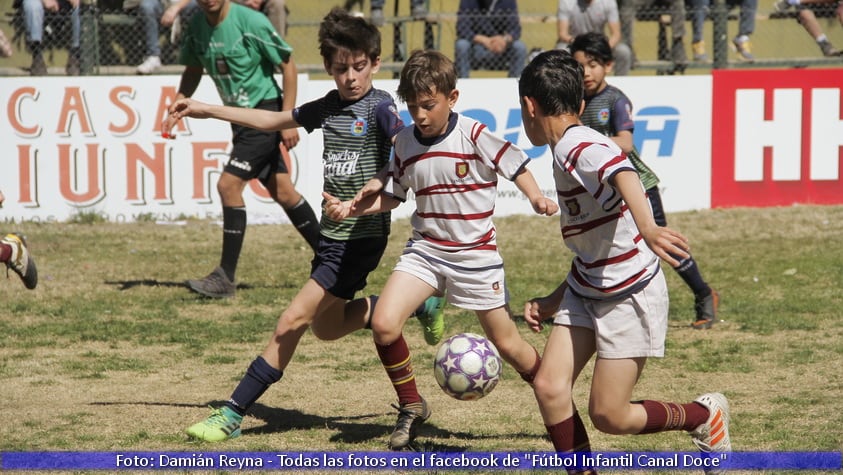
(350, 429)
(130, 284)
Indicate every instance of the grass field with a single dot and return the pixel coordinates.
(112, 352)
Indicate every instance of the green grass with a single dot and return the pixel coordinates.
(112, 352)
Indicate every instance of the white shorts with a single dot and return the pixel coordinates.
(630, 327)
(473, 280)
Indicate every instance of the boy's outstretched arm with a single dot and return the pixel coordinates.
(665, 242)
(247, 117)
(370, 204)
(541, 204)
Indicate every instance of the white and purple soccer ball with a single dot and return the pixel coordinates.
(467, 366)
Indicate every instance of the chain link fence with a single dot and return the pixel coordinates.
(660, 32)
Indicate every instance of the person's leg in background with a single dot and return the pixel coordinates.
(73, 67)
(33, 21)
(149, 12)
(516, 57)
(462, 57)
(746, 26)
(276, 11)
(699, 11)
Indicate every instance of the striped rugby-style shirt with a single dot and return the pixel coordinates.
(454, 178)
(611, 258)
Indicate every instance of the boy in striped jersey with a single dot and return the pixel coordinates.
(614, 301)
(609, 111)
(452, 163)
(358, 123)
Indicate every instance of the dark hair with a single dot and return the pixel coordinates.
(341, 30)
(594, 45)
(424, 71)
(555, 80)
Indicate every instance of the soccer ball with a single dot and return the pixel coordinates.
(467, 366)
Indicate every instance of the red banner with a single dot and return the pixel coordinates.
(776, 137)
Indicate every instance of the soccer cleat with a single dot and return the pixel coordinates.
(698, 48)
(149, 65)
(432, 319)
(706, 309)
(743, 48)
(215, 285)
(222, 424)
(21, 262)
(828, 49)
(713, 435)
(409, 417)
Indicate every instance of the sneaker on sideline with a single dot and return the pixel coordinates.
(149, 65)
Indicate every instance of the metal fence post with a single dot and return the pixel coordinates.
(89, 51)
(720, 23)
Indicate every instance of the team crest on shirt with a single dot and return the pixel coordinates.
(603, 116)
(359, 127)
(461, 169)
(573, 206)
(496, 287)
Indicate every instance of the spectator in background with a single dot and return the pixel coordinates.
(489, 37)
(275, 10)
(34, 12)
(418, 9)
(675, 52)
(746, 25)
(151, 13)
(806, 17)
(575, 17)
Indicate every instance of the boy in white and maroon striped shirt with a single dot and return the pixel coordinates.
(614, 301)
(452, 164)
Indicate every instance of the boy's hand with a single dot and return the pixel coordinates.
(182, 108)
(667, 244)
(334, 208)
(373, 186)
(538, 310)
(290, 138)
(545, 206)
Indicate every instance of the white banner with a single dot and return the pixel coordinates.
(93, 144)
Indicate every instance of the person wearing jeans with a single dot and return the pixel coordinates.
(34, 13)
(489, 36)
(152, 13)
(746, 25)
